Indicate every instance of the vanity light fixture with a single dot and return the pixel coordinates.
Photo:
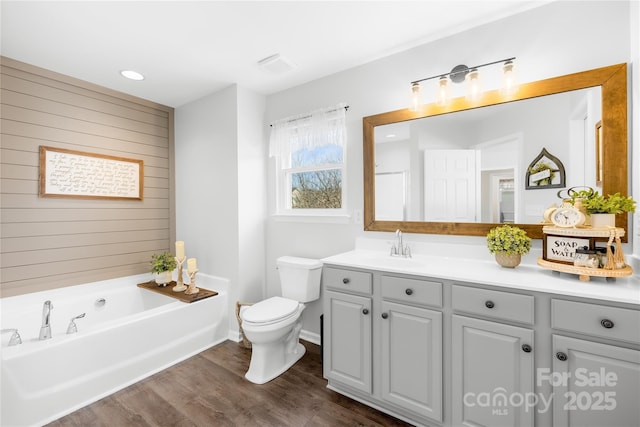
(470, 75)
(133, 75)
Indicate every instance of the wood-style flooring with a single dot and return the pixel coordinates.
(209, 389)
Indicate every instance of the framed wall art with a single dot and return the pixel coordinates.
(76, 174)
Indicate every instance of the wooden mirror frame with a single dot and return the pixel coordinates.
(613, 81)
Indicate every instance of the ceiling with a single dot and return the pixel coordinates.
(187, 49)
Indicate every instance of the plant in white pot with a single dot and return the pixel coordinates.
(508, 243)
(603, 210)
(162, 266)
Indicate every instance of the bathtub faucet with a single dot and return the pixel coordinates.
(45, 330)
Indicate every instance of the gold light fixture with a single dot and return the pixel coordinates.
(470, 75)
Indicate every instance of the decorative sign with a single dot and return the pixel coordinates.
(75, 174)
(563, 249)
(545, 171)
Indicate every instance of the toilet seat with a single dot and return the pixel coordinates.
(271, 310)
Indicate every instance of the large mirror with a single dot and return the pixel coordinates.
(496, 140)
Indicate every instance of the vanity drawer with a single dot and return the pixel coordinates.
(413, 291)
(496, 304)
(595, 319)
(347, 280)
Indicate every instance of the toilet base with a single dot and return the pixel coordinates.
(260, 373)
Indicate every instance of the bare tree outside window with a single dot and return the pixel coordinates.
(320, 188)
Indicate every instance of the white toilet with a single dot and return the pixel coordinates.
(273, 325)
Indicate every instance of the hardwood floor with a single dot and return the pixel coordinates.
(209, 389)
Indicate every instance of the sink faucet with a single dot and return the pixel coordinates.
(45, 330)
(400, 249)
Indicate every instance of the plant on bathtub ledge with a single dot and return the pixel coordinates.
(162, 265)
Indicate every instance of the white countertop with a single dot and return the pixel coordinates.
(486, 271)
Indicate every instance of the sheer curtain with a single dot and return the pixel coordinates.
(308, 131)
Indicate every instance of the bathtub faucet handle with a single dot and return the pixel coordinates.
(72, 329)
(15, 337)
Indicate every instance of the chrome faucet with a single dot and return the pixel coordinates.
(45, 330)
(73, 328)
(400, 249)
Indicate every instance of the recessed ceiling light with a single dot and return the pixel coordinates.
(133, 75)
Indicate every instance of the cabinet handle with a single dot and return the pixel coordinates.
(561, 356)
(384, 315)
(365, 311)
(346, 280)
(489, 304)
(409, 291)
(606, 323)
(526, 348)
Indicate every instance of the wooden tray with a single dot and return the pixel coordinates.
(168, 291)
(585, 273)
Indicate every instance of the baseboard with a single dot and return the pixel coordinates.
(235, 335)
(312, 337)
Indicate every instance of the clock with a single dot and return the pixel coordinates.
(567, 216)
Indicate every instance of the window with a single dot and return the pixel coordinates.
(310, 162)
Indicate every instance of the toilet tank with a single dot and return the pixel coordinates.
(300, 278)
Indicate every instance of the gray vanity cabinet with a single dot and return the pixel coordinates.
(347, 317)
(412, 358)
(490, 367)
(597, 383)
(492, 361)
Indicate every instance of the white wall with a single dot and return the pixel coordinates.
(220, 190)
(555, 39)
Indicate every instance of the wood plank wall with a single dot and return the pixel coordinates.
(49, 243)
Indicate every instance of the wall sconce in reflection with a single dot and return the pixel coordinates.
(471, 77)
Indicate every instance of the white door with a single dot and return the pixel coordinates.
(450, 185)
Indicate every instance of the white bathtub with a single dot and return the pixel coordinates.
(133, 335)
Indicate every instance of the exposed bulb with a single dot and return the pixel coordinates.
(474, 90)
(416, 97)
(509, 79)
(443, 91)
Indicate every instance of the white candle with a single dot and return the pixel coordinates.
(180, 250)
(191, 265)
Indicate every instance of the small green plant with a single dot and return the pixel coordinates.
(508, 239)
(163, 262)
(595, 202)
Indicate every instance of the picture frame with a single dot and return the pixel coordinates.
(76, 174)
(562, 249)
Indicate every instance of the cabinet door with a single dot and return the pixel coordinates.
(347, 342)
(412, 358)
(594, 384)
(492, 373)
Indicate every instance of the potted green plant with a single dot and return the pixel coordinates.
(508, 243)
(603, 209)
(162, 265)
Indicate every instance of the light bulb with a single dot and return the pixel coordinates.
(416, 97)
(509, 79)
(443, 91)
(474, 90)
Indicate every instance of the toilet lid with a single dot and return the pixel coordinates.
(270, 310)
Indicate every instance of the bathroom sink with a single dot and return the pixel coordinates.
(388, 261)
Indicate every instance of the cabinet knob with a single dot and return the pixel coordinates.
(365, 311)
(526, 348)
(489, 304)
(606, 323)
(384, 315)
(408, 291)
(346, 280)
(561, 356)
